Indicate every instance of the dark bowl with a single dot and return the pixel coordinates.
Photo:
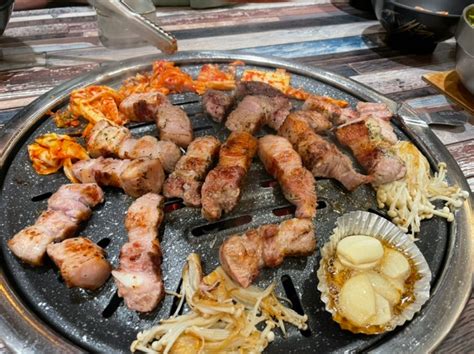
(419, 25)
(6, 8)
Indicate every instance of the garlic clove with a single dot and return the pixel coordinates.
(384, 312)
(395, 265)
(357, 300)
(359, 252)
(384, 288)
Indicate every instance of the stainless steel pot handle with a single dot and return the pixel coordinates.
(141, 25)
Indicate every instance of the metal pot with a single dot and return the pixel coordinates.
(465, 50)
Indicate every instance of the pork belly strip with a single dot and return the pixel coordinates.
(222, 187)
(284, 164)
(135, 177)
(174, 125)
(138, 277)
(320, 156)
(255, 111)
(81, 262)
(242, 257)
(366, 142)
(317, 121)
(375, 110)
(109, 140)
(67, 208)
(335, 114)
(217, 104)
(186, 181)
(252, 88)
(142, 107)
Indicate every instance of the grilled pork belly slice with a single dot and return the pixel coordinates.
(138, 278)
(67, 208)
(222, 187)
(217, 104)
(375, 110)
(109, 140)
(317, 121)
(81, 262)
(174, 125)
(320, 156)
(252, 88)
(186, 181)
(142, 107)
(255, 111)
(335, 114)
(135, 177)
(284, 164)
(372, 151)
(242, 257)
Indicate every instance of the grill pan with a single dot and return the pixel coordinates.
(40, 314)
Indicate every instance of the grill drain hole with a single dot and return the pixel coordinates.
(286, 210)
(104, 242)
(176, 300)
(173, 205)
(221, 225)
(113, 305)
(292, 295)
(268, 183)
(40, 197)
(205, 127)
(321, 204)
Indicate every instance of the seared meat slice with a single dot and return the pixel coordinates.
(320, 156)
(242, 257)
(253, 88)
(150, 147)
(222, 187)
(376, 110)
(217, 104)
(322, 105)
(317, 121)
(135, 177)
(81, 262)
(186, 181)
(138, 278)
(109, 140)
(67, 208)
(142, 107)
(284, 164)
(105, 139)
(254, 111)
(174, 125)
(366, 142)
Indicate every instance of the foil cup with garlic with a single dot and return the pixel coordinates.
(372, 276)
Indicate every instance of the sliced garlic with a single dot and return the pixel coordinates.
(357, 300)
(384, 312)
(399, 284)
(359, 252)
(384, 288)
(395, 265)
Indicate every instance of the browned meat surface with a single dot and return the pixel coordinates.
(254, 111)
(174, 125)
(139, 278)
(135, 177)
(375, 110)
(217, 104)
(366, 142)
(81, 262)
(242, 257)
(317, 121)
(328, 109)
(320, 156)
(67, 208)
(142, 107)
(252, 88)
(109, 140)
(284, 164)
(186, 181)
(222, 188)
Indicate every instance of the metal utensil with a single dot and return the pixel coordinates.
(117, 18)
